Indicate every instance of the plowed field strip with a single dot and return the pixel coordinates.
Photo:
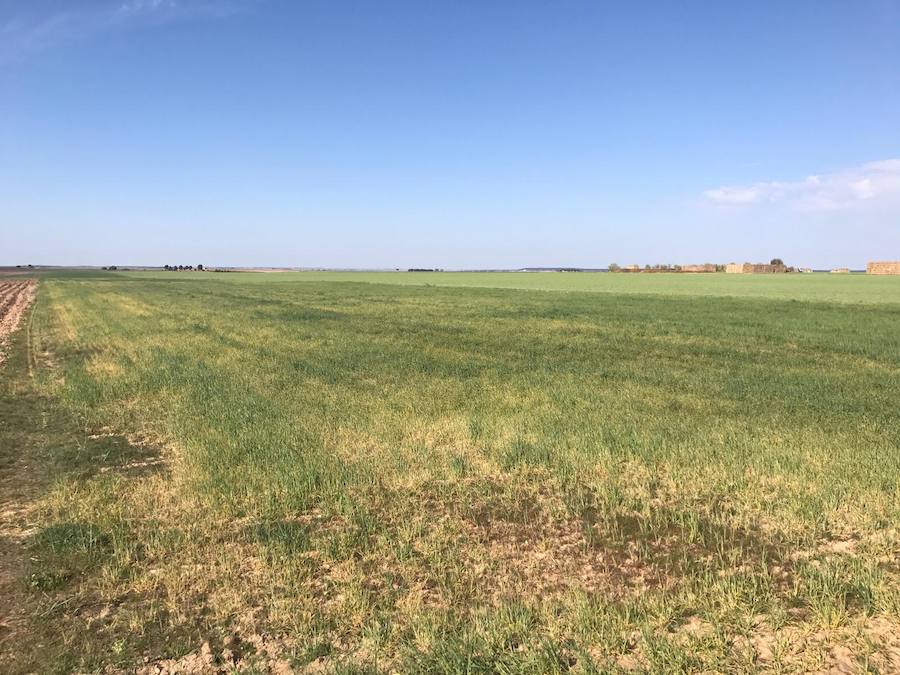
(15, 298)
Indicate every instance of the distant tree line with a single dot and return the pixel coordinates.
(183, 268)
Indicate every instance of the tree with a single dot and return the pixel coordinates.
(777, 262)
(614, 267)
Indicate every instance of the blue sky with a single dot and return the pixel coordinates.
(451, 134)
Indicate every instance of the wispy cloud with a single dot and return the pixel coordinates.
(871, 183)
(36, 26)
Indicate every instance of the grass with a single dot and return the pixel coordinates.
(845, 288)
(437, 472)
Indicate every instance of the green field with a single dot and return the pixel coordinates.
(459, 472)
(852, 288)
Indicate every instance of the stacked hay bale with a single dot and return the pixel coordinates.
(883, 267)
(754, 268)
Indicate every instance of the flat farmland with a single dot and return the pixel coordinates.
(847, 288)
(376, 472)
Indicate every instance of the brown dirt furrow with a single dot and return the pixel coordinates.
(9, 291)
(15, 298)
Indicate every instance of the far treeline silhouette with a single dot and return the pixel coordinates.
(183, 268)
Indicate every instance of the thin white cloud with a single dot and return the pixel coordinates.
(871, 183)
(147, 5)
(734, 195)
(32, 28)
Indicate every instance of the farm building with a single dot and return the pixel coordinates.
(883, 267)
(841, 270)
(754, 268)
(705, 267)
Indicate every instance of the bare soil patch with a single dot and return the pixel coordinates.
(15, 298)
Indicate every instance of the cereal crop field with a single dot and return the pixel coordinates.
(452, 472)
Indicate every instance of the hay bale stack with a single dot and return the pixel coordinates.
(754, 268)
(883, 267)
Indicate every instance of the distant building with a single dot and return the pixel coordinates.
(754, 268)
(841, 270)
(632, 268)
(883, 267)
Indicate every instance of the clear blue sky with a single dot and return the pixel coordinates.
(452, 134)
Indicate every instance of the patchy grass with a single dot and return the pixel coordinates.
(844, 288)
(263, 471)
